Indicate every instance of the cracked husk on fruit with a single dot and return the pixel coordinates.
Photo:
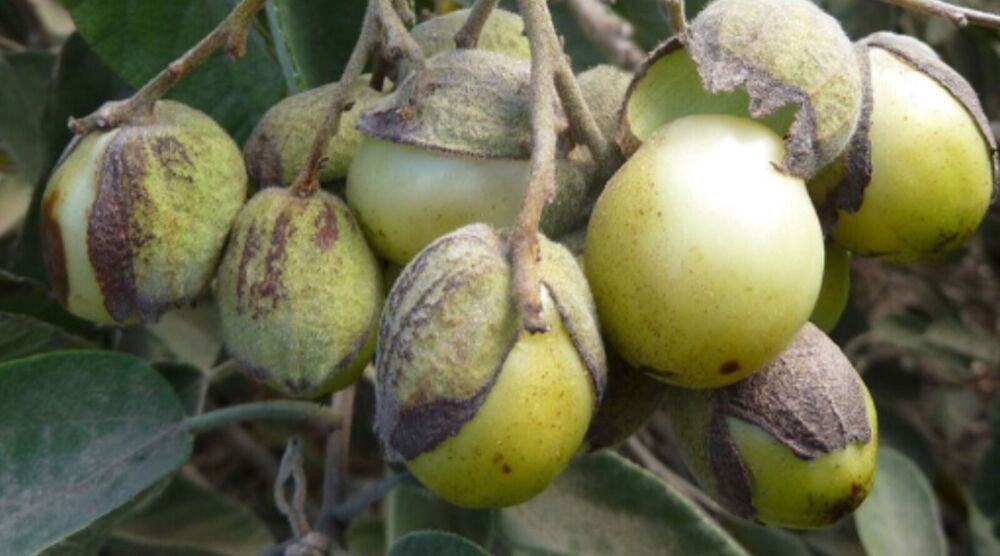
(134, 219)
(451, 147)
(794, 445)
(921, 169)
(281, 141)
(299, 293)
(784, 62)
(484, 413)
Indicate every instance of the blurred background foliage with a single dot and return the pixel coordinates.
(926, 337)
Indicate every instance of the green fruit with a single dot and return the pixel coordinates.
(450, 148)
(924, 175)
(279, 145)
(794, 445)
(503, 33)
(484, 413)
(835, 289)
(134, 219)
(784, 62)
(704, 259)
(299, 293)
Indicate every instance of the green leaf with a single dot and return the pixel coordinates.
(984, 539)
(649, 22)
(313, 38)
(605, 504)
(758, 539)
(25, 76)
(901, 514)
(21, 335)
(189, 517)
(437, 543)
(188, 383)
(81, 84)
(410, 507)
(81, 433)
(138, 38)
(986, 491)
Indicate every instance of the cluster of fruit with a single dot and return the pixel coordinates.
(700, 262)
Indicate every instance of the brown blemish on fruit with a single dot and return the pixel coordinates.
(251, 244)
(53, 251)
(109, 231)
(845, 506)
(171, 153)
(326, 228)
(506, 469)
(729, 367)
(263, 162)
(269, 291)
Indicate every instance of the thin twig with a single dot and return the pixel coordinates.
(396, 39)
(273, 410)
(307, 180)
(582, 121)
(468, 35)
(335, 470)
(608, 30)
(381, 18)
(524, 251)
(675, 15)
(232, 32)
(10, 44)
(405, 12)
(959, 15)
(342, 514)
(291, 469)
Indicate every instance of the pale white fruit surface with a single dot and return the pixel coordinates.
(704, 258)
(406, 197)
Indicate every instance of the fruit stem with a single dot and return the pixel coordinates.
(959, 15)
(541, 184)
(468, 35)
(232, 32)
(272, 410)
(380, 18)
(335, 472)
(610, 32)
(675, 15)
(549, 65)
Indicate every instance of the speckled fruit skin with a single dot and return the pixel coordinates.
(703, 258)
(299, 293)
(931, 175)
(134, 219)
(794, 446)
(484, 413)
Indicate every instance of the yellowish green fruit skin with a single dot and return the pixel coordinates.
(836, 482)
(835, 289)
(703, 258)
(280, 143)
(299, 293)
(526, 431)
(134, 219)
(484, 412)
(931, 177)
(406, 196)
